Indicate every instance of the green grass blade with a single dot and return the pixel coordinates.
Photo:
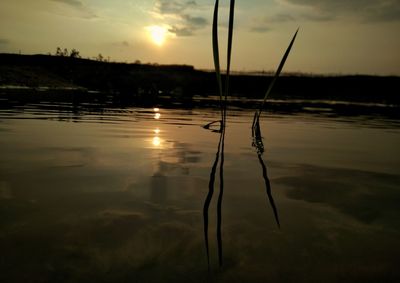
(278, 71)
(229, 51)
(216, 50)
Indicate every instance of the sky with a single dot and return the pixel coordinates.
(335, 37)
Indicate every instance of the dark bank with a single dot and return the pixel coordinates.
(127, 82)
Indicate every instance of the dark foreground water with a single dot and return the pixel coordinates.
(119, 195)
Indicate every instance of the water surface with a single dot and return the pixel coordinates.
(117, 195)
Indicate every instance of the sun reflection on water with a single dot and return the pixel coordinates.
(156, 141)
(157, 113)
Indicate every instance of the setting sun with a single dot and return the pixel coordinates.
(158, 34)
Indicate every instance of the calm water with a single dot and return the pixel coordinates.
(118, 195)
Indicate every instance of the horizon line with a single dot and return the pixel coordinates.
(262, 72)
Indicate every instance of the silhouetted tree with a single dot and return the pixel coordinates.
(59, 52)
(74, 53)
(100, 57)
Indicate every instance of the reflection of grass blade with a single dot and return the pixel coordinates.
(220, 197)
(278, 71)
(268, 189)
(209, 198)
(259, 146)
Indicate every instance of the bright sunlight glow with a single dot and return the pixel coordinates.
(157, 34)
(156, 142)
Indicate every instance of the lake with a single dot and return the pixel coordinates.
(122, 195)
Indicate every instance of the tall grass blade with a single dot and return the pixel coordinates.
(229, 50)
(221, 144)
(278, 71)
(221, 168)
(256, 131)
(216, 51)
(211, 183)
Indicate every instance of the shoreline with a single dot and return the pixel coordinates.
(40, 75)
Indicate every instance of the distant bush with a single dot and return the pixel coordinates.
(74, 53)
(64, 53)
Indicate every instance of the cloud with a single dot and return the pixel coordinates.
(195, 21)
(173, 7)
(188, 26)
(74, 3)
(264, 24)
(366, 10)
(260, 29)
(180, 16)
(329, 10)
(184, 31)
(283, 18)
(84, 11)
